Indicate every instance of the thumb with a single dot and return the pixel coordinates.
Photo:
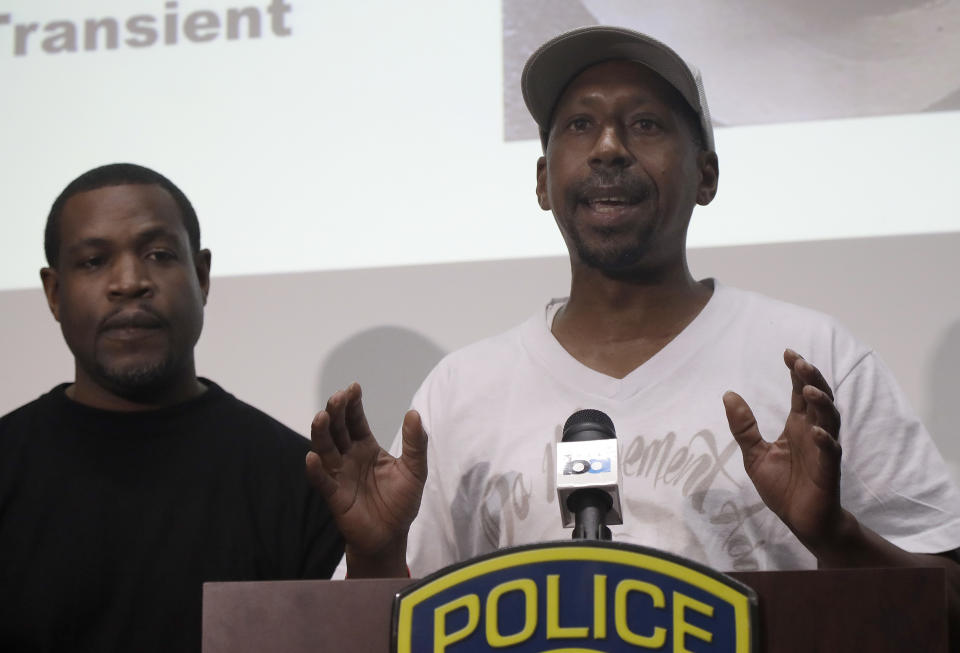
(743, 426)
(414, 445)
(318, 476)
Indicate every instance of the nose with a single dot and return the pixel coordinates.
(610, 150)
(130, 277)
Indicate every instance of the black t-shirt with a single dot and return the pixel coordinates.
(110, 522)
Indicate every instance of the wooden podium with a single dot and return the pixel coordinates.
(833, 611)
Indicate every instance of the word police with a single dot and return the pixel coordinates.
(143, 30)
(668, 617)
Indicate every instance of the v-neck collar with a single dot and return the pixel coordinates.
(538, 339)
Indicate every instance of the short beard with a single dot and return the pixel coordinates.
(609, 259)
(140, 382)
(612, 261)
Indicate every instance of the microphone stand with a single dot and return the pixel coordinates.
(589, 508)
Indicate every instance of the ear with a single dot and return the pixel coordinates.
(51, 288)
(201, 263)
(542, 198)
(709, 177)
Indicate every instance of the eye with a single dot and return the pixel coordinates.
(91, 262)
(579, 124)
(161, 256)
(644, 124)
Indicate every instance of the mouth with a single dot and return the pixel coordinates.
(131, 324)
(609, 203)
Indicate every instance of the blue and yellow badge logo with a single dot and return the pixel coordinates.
(574, 597)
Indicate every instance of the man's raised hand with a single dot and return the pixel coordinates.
(798, 474)
(372, 495)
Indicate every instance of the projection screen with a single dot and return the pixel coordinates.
(338, 142)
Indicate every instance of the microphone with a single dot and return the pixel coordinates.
(588, 475)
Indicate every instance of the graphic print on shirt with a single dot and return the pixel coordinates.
(699, 475)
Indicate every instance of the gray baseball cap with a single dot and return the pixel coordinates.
(551, 68)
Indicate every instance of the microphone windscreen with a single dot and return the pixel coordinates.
(588, 424)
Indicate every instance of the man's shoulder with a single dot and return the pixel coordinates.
(30, 411)
(246, 420)
(765, 312)
(753, 300)
(24, 412)
(492, 352)
(766, 326)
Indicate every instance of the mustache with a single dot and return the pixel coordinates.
(605, 182)
(142, 317)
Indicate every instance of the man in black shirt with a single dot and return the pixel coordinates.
(122, 492)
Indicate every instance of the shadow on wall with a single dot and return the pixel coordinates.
(943, 418)
(389, 363)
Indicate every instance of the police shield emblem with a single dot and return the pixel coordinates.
(575, 597)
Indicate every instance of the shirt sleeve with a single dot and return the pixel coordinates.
(431, 545)
(893, 478)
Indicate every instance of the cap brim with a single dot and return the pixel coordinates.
(550, 69)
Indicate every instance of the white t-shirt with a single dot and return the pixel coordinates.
(495, 410)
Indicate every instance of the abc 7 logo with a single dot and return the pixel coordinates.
(581, 466)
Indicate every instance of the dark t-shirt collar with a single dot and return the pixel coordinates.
(121, 422)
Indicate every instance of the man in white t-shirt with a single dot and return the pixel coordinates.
(754, 480)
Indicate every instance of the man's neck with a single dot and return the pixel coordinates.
(614, 325)
(88, 392)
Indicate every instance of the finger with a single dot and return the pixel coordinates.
(322, 442)
(831, 452)
(826, 442)
(743, 426)
(821, 411)
(790, 357)
(318, 476)
(414, 445)
(810, 375)
(356, 420)
(336, 408)
(797, 402)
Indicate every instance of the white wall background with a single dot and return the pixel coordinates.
(286, 342)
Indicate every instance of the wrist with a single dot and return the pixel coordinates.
(838, 545)
(388, 562)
